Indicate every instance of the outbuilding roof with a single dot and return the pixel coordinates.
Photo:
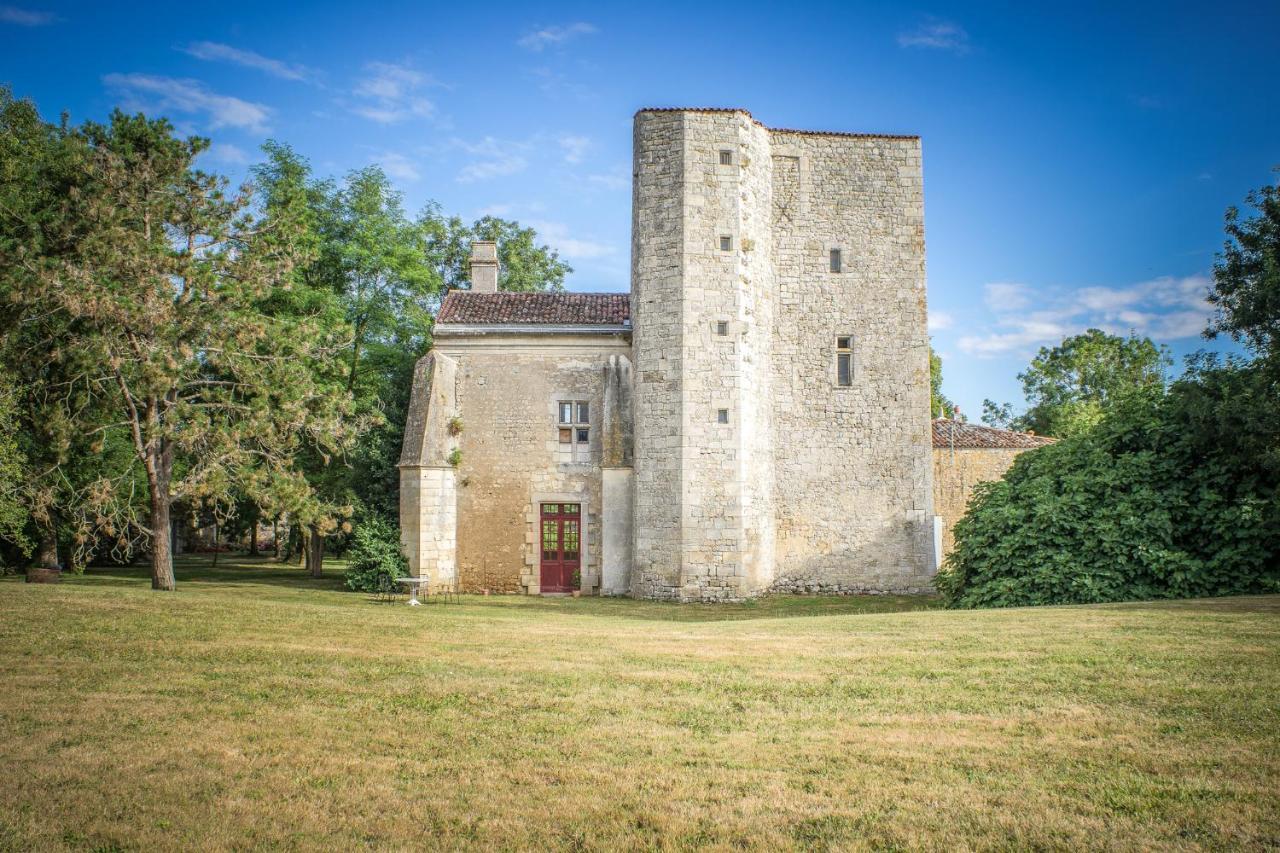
(462, 307)
(949, 433)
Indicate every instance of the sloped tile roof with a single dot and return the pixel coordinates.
(948, 433)
(463, 307)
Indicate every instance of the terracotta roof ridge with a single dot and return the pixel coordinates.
(757, 121)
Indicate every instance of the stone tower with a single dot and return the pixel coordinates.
(782, 433)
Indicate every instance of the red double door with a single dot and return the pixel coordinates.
(561, 561)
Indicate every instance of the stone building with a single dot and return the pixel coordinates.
(965, 455)
(753, 416)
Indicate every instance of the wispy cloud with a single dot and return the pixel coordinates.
(225, 152)
(26, 17)
(937, 34)
(574, 147)
(617, 179)
(939, 320)
(558, 236)
(398, 166)
(492, 158)
(543, 37)
(1166, 308)
(215, 52)
(149, 93)
(390, 93)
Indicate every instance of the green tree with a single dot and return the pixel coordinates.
(1069, 387)
(525, 265)
(163, 292)
(939, 405)
(13, 511)
(1246, 277)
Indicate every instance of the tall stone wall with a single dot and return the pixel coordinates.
(807, 486)
(852, 464)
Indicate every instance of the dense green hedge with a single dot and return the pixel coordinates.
(1174, 494)
(374, 557)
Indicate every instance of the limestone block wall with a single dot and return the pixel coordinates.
(508, 386)
(956, 471)
(852, 465)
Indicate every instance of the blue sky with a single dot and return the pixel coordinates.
(1078, 158)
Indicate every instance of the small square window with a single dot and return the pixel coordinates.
(584, 436)
(722, 327)
(584, 411)
(726, 157)
(722, 416)
(835, 260)
(726, 244)
(842, 343)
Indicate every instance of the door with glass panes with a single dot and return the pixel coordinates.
(561, 560)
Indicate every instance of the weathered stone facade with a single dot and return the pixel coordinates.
(727, 458)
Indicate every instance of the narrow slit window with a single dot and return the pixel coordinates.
(726, 157)
(835, 260)
(726, 243)
(722, 416)
(844, 361)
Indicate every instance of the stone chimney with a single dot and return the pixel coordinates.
(484, 266)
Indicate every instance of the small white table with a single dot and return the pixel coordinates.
(413, 584)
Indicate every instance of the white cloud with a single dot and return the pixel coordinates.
(147, 92)
(937, 34)
(391, 93)
(552, 36)
(574, 147)
(214, 52)
(499, 210)
(225, 152)
(26, 17)
(398, 166)
(492, 158)
(939, 320)
(557, 236)
(1165, 308)
(1006, 296)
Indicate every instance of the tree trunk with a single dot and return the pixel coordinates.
(253, 533)
(215, 545)
(159, 473)
(161, 544)
(275, 536)
(48, 547)
(315, 552)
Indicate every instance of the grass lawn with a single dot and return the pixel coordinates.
(258, 708)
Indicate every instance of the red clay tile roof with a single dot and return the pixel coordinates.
(748, 114)
(948, 433)
(570, 309)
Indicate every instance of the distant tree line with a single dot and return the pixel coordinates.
(170, 344)
(1156, 490)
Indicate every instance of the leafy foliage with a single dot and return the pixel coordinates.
(1246, 278)
(1069, 387)
(1170, 495)
(375, 557)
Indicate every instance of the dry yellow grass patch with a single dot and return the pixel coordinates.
(254, 708)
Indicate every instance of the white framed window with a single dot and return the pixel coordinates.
(726, 243)
(573, 430)
(844, 361)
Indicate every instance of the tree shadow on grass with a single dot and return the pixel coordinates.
(232, 570)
